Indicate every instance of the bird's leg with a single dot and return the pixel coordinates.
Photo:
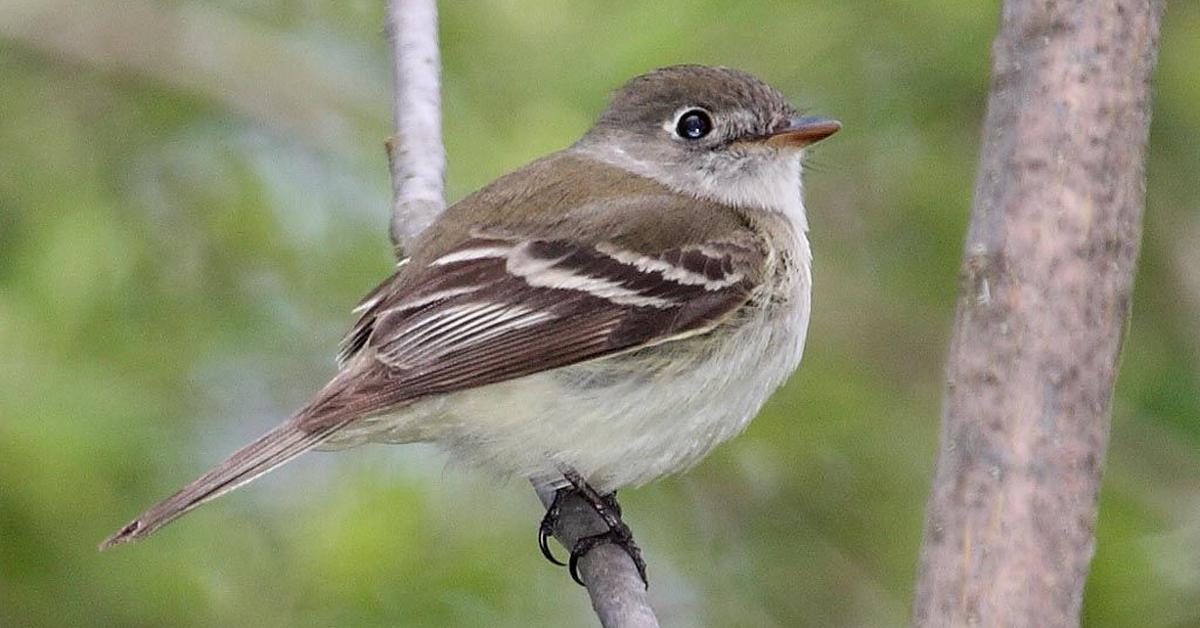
(618, 533)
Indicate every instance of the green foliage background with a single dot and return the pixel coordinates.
(193, 195)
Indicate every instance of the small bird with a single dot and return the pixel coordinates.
(600, 318)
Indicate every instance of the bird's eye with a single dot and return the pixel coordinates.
(693, 124)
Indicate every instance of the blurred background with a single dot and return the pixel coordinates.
(193, 194)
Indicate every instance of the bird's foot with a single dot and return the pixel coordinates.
(607, 508)
(622, 537)
(546, 528)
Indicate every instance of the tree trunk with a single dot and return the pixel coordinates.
(1046, 282)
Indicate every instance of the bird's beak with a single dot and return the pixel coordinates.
(802, 131)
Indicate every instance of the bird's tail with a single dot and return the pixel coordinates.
(272, 449)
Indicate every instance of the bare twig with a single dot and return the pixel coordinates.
(418, 163)
(415, 153)
(1046, 283)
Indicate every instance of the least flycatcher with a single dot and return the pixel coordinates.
(597, 319)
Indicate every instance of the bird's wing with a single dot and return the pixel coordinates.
(495, 308)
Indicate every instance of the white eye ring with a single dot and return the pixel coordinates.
(690, 123)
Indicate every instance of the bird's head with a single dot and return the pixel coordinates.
(713, 132)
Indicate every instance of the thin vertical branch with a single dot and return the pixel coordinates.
(417, 160)
(1047, 279)
(415, 153)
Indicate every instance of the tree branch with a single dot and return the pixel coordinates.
(1047, 279)
(415, 153)
(417, 161)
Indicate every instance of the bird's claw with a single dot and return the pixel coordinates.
(608, 509)
(620, 536)
(546, 530)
